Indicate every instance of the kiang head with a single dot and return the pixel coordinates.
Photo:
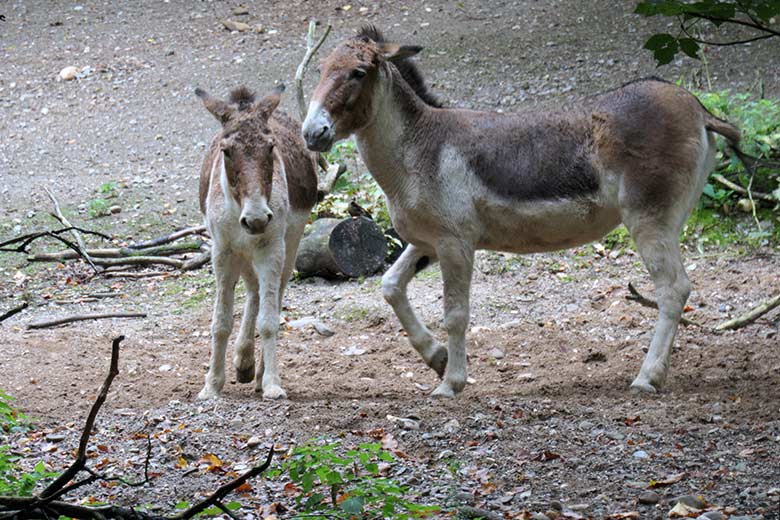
(248, 152)
(343, 101)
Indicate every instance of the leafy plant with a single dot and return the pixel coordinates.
(329, 482)
(97, 208)
(12, 483)
(757, 15)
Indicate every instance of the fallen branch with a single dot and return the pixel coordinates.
(635, 296)
(46, 504)
(120, 252)
(140, 260)
(82, 247)
(123, 274)
(197, 262)
(84, 317)
(25, 240)
(750, 316)
(15, 310)
(166, 239)
(739, 189)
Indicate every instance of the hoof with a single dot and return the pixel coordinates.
(245, 375)
(438, 361)
(208, 393)
(274, 392)
(642, 386)
(443, 391)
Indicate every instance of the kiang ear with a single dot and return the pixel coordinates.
(268, 104)
(218, 108)
(396, 51)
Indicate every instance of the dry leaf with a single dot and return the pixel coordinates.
(668, 481)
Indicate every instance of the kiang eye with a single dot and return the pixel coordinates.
(358, 73)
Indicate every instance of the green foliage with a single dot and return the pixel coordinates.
(99, 207)
(12, 483)
(330, 482)
(360, 187)
(759, 121)
(756, 14)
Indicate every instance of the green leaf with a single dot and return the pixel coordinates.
(353, 505)
(233, 506)
(664, 47)
(689, 47)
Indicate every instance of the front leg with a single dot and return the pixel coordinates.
(394, 283)
(244, 359)
(226, 272)
(457, 262)
(269, 269)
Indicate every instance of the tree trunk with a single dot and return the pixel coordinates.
(334, 248)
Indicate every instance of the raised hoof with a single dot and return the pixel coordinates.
(443, 391)
(439, 362)
(208, 393)
(642, 386)
(245, 375)
(274, 392)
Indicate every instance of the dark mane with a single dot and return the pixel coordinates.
(406, 67)
(242, 96)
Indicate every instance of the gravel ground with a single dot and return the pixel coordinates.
(548, 424)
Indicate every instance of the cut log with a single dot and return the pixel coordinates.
(335, 248)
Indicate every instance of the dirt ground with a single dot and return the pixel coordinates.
(553, 344)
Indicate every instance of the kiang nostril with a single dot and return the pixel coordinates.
(270, 216)
(322, 132)
(243, 222)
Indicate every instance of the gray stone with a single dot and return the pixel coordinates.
(539, 516)
(690, 501)
(649, 498)
(712, 515)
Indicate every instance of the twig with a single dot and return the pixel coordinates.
(311, 50)
(15, 310)
(26, 240)
(635, 296)
(750, 316)
(739, 189)
(225, 489)
(81, 453)
(83, 317)
(199, 230)
(82, 247)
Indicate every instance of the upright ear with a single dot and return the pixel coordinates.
(218, 108)
(395, 51)
(268, 104)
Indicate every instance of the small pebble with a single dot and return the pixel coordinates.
(649, 498)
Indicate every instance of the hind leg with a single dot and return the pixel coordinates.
(394, 284)
(660, 251)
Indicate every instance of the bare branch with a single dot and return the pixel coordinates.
(15, 310)
(750, 316)
(635, 296)
(194, 230)
(84, 317)
(311, 50)
(82, 247)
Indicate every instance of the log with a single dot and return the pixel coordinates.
(121, 252)
(335, 248)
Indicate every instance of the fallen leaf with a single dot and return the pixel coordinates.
(547, 455)
(668, 481)
(683, 511)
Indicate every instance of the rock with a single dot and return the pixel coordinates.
(354, 350)
(585, 425)
(115, 209)
(259, 29)
(240, 11)
(451, 426)
(496, 353)
(641, 454)
(230, 25)
(254, 442)
(615, 436)
(649, 498)
(539, 516)
(527, 376)
(445, 454)
(464, 498)
(556, 505)
(68, 74)
(56, 437)
(406, 423)
(746, 205)
(690, 501)
(712, 515)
